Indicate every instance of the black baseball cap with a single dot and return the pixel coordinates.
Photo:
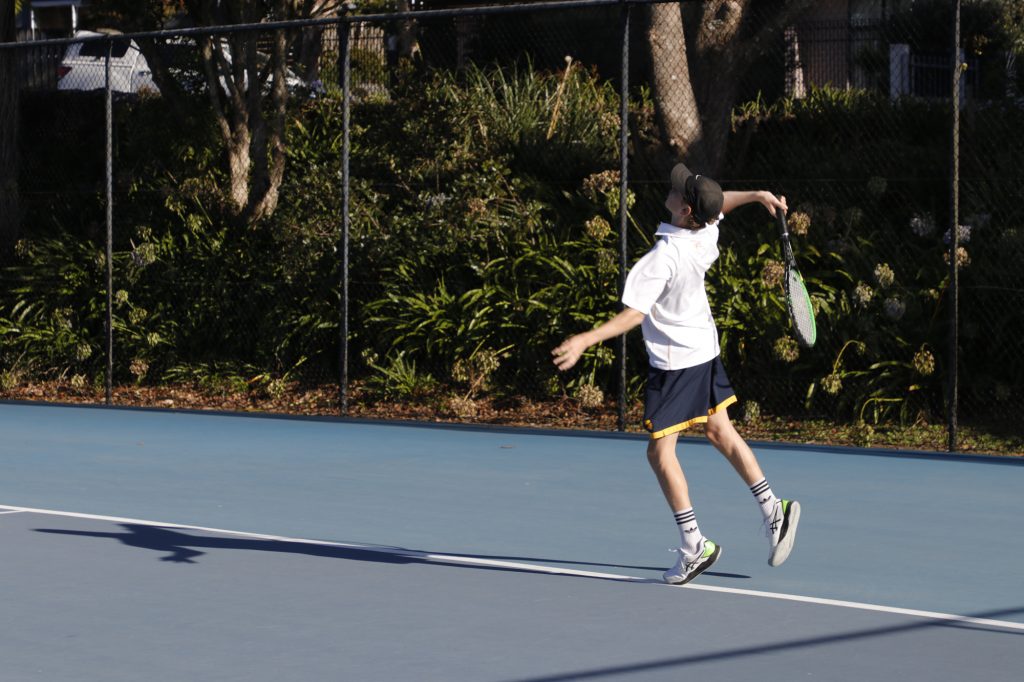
(703, 194)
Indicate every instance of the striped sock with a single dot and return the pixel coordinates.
(688, 531)
(765, 497)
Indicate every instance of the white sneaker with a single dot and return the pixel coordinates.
(689, 567)
(781, 530)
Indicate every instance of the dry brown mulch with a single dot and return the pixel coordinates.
(324, 401)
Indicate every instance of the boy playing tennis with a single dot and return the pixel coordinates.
(686, 382)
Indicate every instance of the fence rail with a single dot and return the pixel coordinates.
(425, 202)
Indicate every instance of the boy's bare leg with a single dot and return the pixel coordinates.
(696, 553)
(661, 454)
(781, 516)
(724, 437)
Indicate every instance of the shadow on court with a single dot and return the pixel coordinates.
(492, 557)
(778, 647)
(185, 548)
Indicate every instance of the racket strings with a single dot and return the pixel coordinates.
(800, 310)
(799, 300)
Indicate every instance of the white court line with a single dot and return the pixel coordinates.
(534, 568)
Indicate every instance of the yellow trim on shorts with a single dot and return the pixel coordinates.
(696, 420)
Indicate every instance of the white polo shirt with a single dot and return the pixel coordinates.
(667, 286)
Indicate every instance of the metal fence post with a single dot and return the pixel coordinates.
(344, 31)
(110, 227)
(954, 238)
(623, 198)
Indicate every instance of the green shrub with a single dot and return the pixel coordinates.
(482, 213)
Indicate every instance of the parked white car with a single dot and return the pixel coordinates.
(84, 66)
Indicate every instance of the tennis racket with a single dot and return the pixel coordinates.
(797, 299)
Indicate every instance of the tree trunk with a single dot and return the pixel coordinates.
(10, 212)
(697, 72)
(678, 117)
(268, 153)
(231, 113)
(249, 115)
(1010, 73)
(722, 61)
(235, 84)
(311, 48)
(408, 46)
(238, 142)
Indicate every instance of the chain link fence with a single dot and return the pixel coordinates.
(482, 218)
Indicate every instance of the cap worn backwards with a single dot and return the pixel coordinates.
(701, 193)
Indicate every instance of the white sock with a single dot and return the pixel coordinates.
(764, 496)
(690, 534)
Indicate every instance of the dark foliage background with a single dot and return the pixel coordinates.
(485, 198)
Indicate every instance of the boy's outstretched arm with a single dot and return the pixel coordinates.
(771, 202)
(572, 348)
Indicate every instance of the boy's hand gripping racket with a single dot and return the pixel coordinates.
(797, 299)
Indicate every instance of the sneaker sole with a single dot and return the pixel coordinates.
(785, 545)
(703, 567)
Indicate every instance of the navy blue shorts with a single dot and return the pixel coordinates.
(678, 398)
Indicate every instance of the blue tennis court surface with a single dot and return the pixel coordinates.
(147, 545)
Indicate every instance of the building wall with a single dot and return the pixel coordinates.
(52, 19)
(834, 44)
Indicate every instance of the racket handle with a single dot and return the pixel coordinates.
(780, 217)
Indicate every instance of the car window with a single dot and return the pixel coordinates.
(99, 48)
